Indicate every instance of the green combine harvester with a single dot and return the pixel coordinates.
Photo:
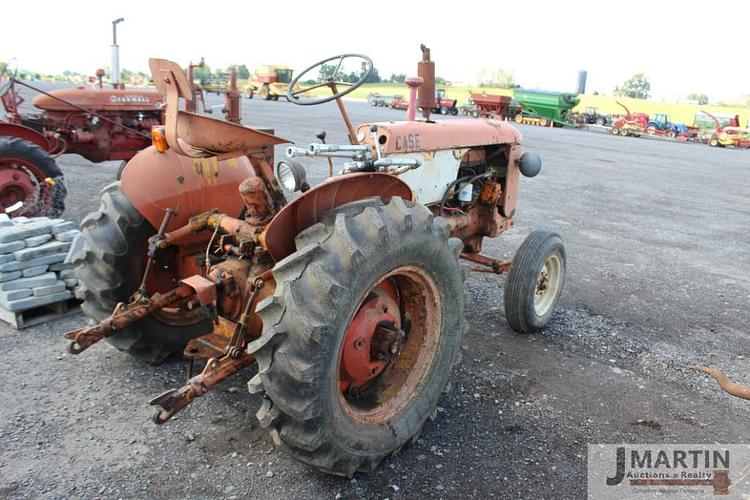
(544, 107)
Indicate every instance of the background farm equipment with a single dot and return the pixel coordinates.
(350, 297)
(544, 108)
(726, 136)
(441, 103)
(592, 117)
(380, 100)
(270, 82)
(97, 123)
(630, 124)
(489, 105)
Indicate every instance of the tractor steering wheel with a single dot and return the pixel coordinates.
(293, 92)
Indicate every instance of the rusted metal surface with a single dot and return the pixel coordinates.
(413, 83)
(727, 385)
(310, 207)
(408, 136)
(198, 136)
(25, 133)
(488, 264)
(205, 290)
(258, 201)
(401, 380)
(212, 345)
(216, 371)
(426, 92)
(196, 184)
(99, 99)
(232, 111)
(123, 316)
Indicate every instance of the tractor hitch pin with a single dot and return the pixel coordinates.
(153, 245)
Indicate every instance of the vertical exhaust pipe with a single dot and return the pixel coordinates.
(114, 72)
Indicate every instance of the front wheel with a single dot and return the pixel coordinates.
(360, 335)
(535, 281)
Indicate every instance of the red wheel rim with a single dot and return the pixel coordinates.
(22, 181)
(390, 345)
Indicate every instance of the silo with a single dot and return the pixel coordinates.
(582, 82)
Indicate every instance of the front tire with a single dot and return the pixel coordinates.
(535, 281)
(359, 253)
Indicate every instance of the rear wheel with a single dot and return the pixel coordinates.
(444, 110)
(360, 334)
(31, 184)
(110, 258)
(535, 281)
(454, 111)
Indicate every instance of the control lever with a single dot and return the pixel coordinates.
(322, 138)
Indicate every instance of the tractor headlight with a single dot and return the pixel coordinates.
(291, 174)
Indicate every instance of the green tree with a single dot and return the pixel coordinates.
(397, 78)
(701, 99)
(242, 72)
(497, 77)
(637, 87)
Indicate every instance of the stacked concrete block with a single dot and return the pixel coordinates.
(33, 271)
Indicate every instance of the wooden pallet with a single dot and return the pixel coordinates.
(40, 314)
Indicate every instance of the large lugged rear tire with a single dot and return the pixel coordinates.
(110, 258)
(31, 165)
(535, 281)
(320, 290)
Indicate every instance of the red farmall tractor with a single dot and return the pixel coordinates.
(97, 123)
(349, 300)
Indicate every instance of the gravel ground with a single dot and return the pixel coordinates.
(658, 281)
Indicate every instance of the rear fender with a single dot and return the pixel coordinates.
(154, 182)
(25, 133)
(309, 208)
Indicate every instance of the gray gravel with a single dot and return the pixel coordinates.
(658, 281)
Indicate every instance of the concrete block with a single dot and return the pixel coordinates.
(41, 291)
(5, 220)
(41, 250)
(68, 273)
(35, 241)
(71, 282)
(18, 265)
(15, 294)
(11, 275)
(67, 235)
(11, 246)
(59, 266)
(34, 271)
(64, 226)
(23, 231)
(35, 281)
(29, 302)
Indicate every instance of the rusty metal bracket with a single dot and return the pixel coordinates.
(216, 370)
(124, 315)
(488, 265)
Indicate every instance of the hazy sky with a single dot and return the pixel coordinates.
(682, 46)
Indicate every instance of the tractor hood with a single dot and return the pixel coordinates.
(408, 136)
(101, 100)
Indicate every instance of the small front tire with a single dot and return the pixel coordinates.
(535, 281)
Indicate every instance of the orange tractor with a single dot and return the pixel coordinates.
(349, 299)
